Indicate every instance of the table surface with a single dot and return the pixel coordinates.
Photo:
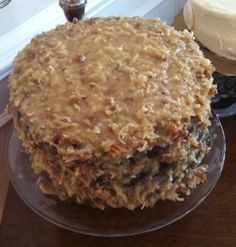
(213, 223)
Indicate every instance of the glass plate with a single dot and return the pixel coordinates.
(110, 222)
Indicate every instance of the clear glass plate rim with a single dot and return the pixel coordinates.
(149, 228)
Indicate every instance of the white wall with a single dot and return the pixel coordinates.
(18, 11)
(164, 9)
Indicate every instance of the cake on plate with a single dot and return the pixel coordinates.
(114, 111)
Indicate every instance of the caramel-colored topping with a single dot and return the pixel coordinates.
(113, 85)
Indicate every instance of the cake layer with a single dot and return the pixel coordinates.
(158, 174)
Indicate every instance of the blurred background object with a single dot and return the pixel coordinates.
(73, 8)
(4, 3)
